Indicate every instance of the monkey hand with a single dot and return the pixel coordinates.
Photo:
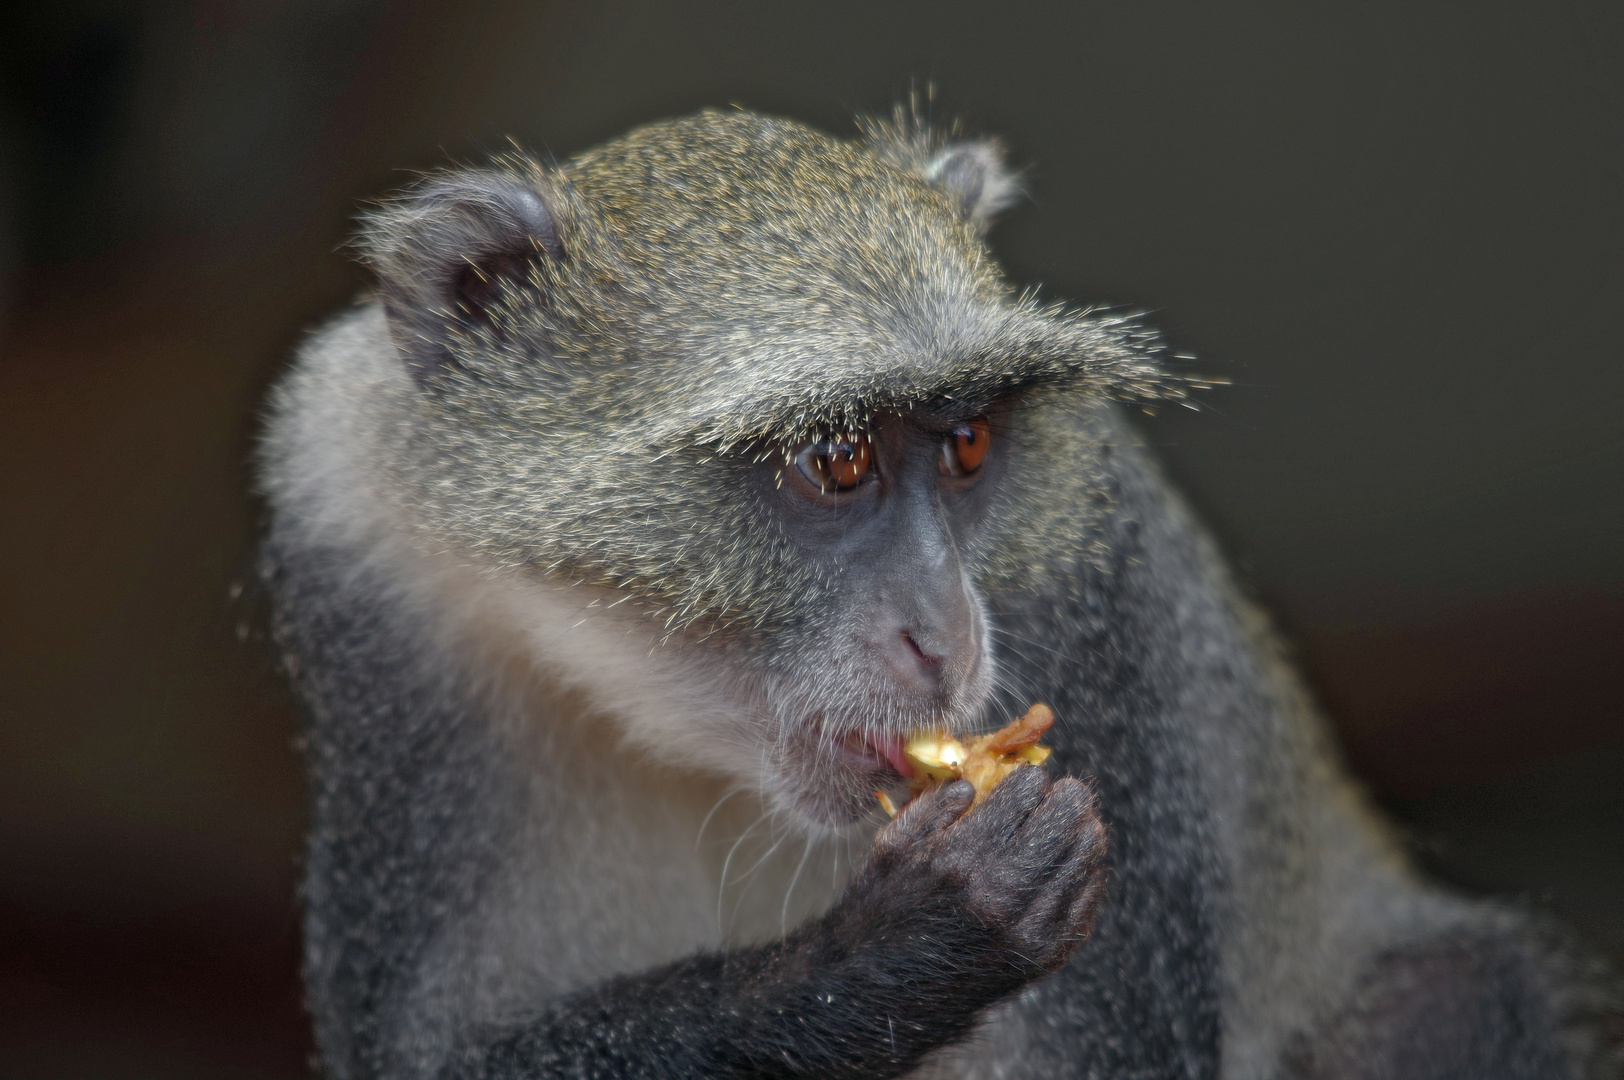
(998, 895)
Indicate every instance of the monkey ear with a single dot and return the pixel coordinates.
(975, 176)
(971, 172)
(448, 251)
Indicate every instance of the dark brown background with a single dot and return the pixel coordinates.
(1396, 227)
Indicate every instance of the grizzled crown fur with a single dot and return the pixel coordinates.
(699, 295)
(969, 171)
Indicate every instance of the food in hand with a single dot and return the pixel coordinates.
(984, 760)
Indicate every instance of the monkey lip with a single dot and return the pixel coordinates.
(870, 750)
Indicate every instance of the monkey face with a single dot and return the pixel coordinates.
(753, 424)
(888, 520)
(885, 528)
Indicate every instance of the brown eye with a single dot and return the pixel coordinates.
(965, 449)
(835, 464)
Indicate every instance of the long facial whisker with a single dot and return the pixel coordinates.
(1032, 643)
(776, 842)
(783, 912)
(834, 863)
(721, 885)
(1016, 692)
(1007, 634)
(703, 825)
(749, 877)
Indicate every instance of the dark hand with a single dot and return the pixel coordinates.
(1015, 882)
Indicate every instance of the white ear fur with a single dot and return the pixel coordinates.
(975, 175)
(970, 172)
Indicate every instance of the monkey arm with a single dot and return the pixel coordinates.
(935, 929)
(803, 1007)
(415, 814)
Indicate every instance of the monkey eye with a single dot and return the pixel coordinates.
(837, 464)
(966, 447)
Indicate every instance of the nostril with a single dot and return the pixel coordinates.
(924, 657)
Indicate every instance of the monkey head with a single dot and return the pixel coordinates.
(760, 401)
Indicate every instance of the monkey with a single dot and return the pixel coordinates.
(621, 533)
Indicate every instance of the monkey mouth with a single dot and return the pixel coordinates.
(831, 772)
(871, 752)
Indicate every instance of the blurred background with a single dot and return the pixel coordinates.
(1398, 228)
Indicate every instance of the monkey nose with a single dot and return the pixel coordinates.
(916, 661)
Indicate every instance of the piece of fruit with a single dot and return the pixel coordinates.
(984, 760)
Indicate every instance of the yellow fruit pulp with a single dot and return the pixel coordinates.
(984, 760)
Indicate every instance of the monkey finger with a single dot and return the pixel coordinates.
(934, 810)
(1083, 871)
(1066, 907)
(1053, 830)
(995, 822)
(1085, 906)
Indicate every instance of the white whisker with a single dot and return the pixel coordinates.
(721, 886)
(703, 825)
(783, 912)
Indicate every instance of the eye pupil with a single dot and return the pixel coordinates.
(848, 463)
(965, 450)
(836, 464)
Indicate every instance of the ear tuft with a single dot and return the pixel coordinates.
(447, 251)
(971, 172)
(975, 175)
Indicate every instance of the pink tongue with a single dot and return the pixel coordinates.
(890, 748)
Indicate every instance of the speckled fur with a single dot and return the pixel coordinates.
(516, 580)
